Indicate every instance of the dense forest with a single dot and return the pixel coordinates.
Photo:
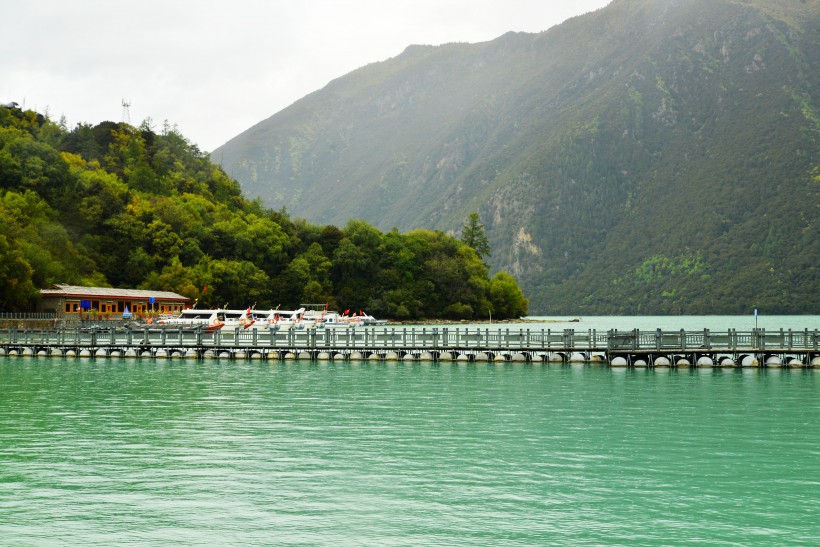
(116, 205)
(651, 157)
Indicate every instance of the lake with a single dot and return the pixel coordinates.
(714, 323)
(135, 452)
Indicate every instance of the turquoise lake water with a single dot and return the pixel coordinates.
(716, 323)
(142, 452)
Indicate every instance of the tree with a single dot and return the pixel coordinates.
(472, 233)
(507, 298)
(111, 204)
(16, 287)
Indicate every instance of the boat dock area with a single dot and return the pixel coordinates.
(732, 348)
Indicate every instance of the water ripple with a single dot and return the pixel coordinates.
(101, 453)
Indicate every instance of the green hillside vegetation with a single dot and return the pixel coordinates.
(652, 157)
(115, 205)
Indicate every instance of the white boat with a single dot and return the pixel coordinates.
(233, 319)
(266, 319)
(370, 320)
(282, 319)
(209, 319)
(336, 319)
(324, 319)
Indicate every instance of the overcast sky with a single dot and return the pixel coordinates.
(214, 68)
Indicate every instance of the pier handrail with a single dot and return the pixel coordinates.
(423, 337)
(28, 316)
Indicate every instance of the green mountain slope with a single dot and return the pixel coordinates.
(654, 156)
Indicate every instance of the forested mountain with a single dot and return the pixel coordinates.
(115, 205)
(654, 156)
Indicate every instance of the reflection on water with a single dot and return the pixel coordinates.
(136, 451)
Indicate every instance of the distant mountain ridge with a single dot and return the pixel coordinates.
(654, 156)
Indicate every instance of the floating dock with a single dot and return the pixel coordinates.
(732, 348)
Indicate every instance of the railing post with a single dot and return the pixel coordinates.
(683, 339)
(707, 340)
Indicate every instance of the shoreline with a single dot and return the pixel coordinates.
(482, 321)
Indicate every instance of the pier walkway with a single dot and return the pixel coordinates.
(732, 348)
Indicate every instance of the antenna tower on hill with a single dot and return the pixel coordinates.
(126, 113)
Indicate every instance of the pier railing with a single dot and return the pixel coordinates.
(457, 338)
(732, 339)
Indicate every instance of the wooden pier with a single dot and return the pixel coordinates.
(732, 348)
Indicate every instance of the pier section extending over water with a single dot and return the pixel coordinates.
(635, 348)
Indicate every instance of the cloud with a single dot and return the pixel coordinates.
(216, 67)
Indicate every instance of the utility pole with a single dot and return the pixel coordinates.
(126, 113)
